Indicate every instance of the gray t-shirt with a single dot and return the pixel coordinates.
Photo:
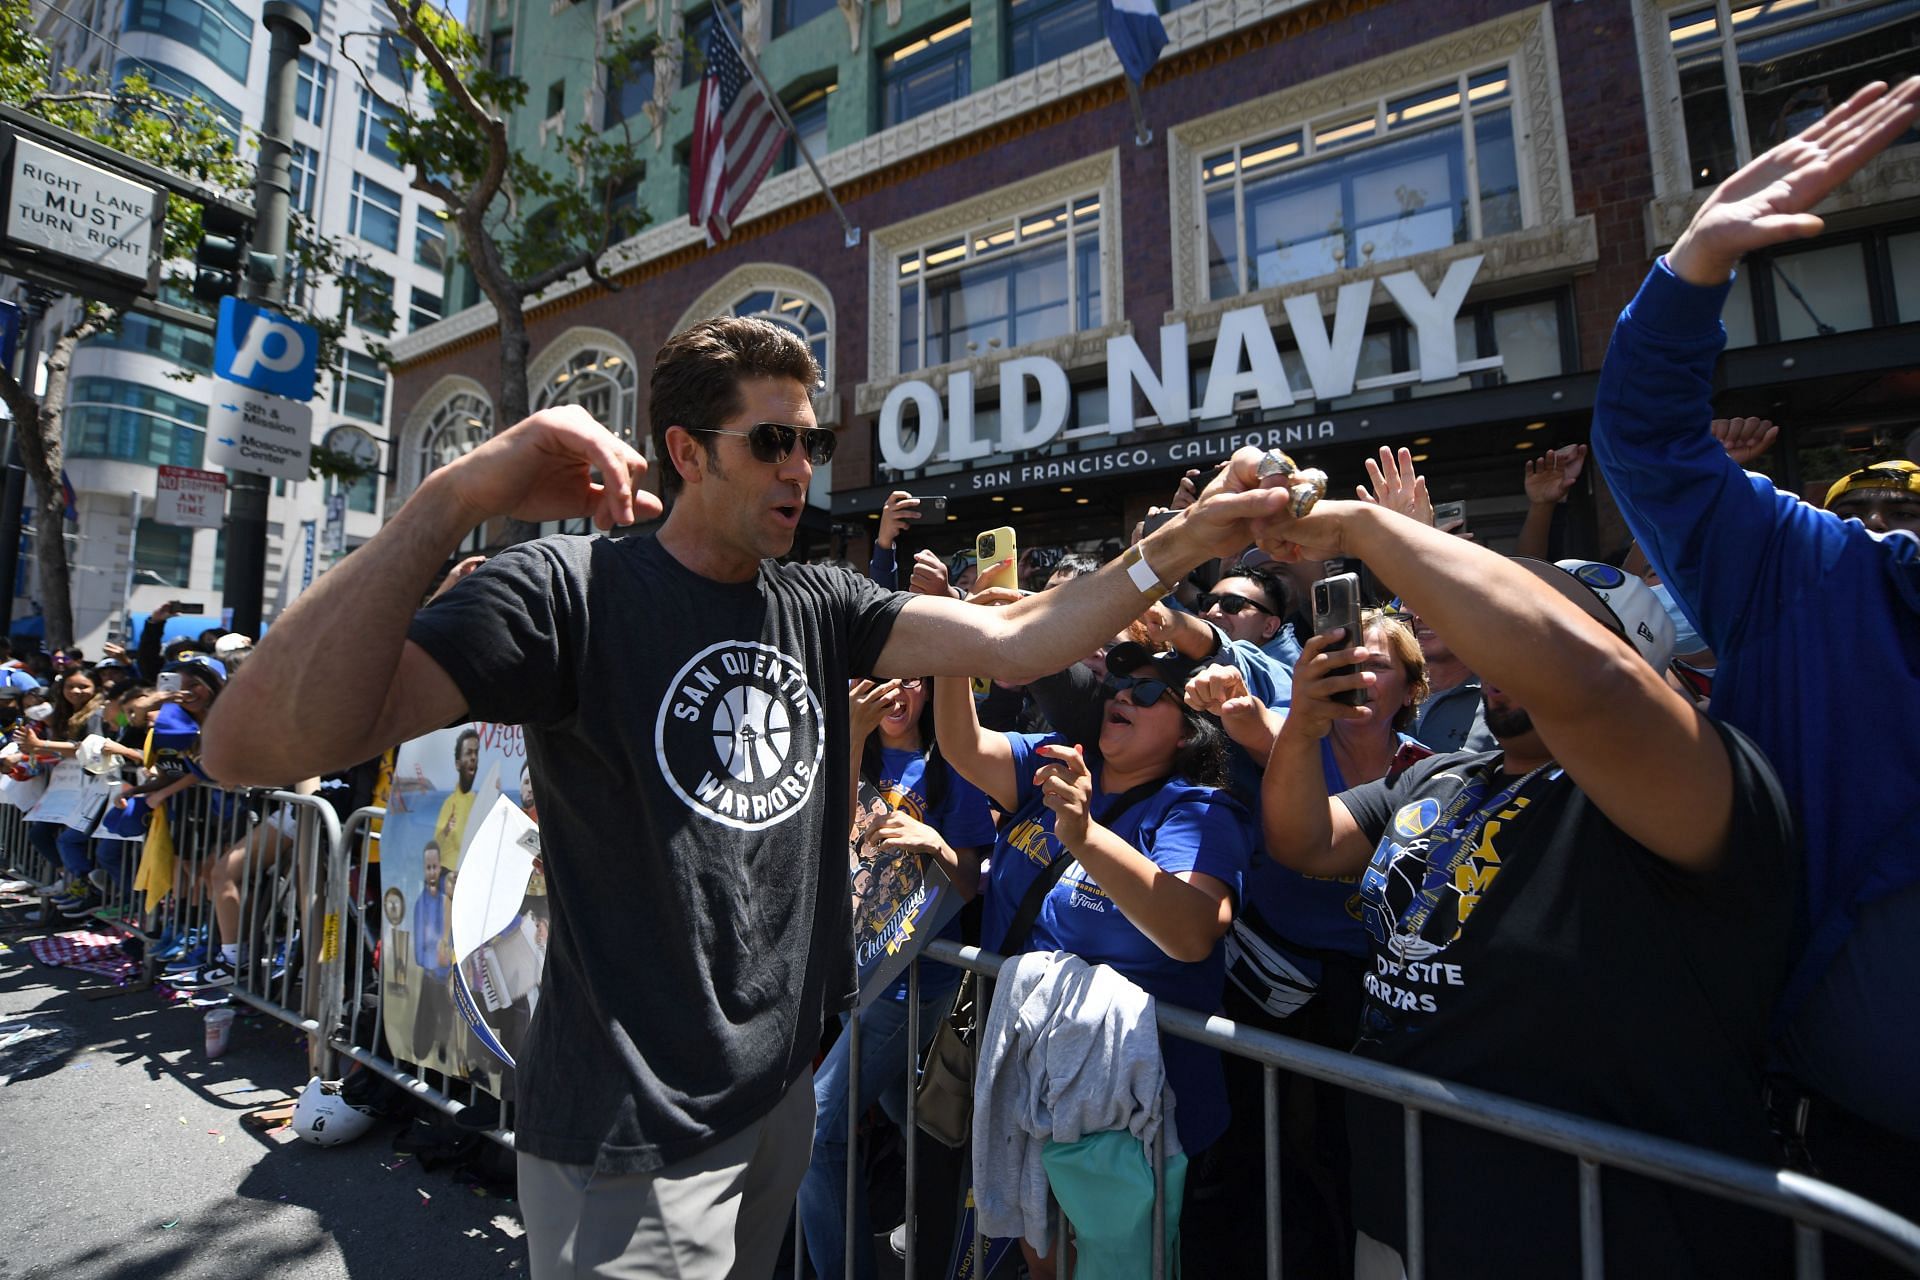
(689, 745)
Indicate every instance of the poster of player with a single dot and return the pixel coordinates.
(443, 787)
(901, 900)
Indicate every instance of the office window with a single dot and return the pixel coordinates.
(372, 306)
(623, 205)
(423, 308)
(1002, 285)
(310, 90)
(163, 550)
(370, 134)
(303, 176)
(791, 14)
(1407, 175)
(809, 112)
(926, 74)
(694, 32)
(790, 310)
(360, 388)
(556, 98)
(216, 28)
(373, 213)
(178, 84)
(429, 240)
(188, 348)
(131, 422)
(629, 88)
(390, 60)
(1041, 30)
(500, 53)
(1788, 62)
(601, 382)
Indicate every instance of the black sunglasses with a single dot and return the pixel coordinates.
(1229, 603)
(1147, 690)
(773, 441)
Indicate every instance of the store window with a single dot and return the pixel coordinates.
(600, 381)
(1843, 283)
(1001, 285)
(360, 388)
(1409, 174)
(216, 28)
(131, 422)
(809, 112)
(1753, 74)
(926, 74)
(460, 425)
(373, 213)
(310, 90)
(1041, 30)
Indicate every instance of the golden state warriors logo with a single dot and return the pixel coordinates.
(1414, 819)
(739, 735)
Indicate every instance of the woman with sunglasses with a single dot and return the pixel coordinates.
(1158, 852)
(932, 811)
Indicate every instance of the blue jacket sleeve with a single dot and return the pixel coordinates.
(881, 568)
(1734, 550)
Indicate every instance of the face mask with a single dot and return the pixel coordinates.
(1685, 639)
(42, 712)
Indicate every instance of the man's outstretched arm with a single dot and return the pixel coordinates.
(335, 680)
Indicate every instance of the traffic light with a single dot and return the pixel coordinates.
(222, 254)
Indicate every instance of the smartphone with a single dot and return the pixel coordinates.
(168, 682)
(998, 554)
(1158, 520)
(1336, 606)
(187, 609)
(933, 505)
(1448, 516)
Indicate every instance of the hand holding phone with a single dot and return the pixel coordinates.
(1336, 606)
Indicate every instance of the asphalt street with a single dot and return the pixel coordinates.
(123, 1154)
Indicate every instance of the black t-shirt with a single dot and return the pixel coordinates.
(689, 741)
(1565, 964)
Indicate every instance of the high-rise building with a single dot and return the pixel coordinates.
(139, 396)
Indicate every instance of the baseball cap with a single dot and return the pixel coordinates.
(1899, 475)
(1127, 657)
(15, 681)
(1615, 599)
(232, 642)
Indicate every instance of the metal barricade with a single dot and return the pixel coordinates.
(1812, 1206)
(17, 855)
(359, 1033)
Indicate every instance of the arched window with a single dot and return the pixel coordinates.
(600, 381)
(800, 314)
(462, 424)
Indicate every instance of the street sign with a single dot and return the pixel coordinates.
(334, 541)
(306, 573)
(93, 219)
(264, 350)
(195, 499)
(265, 435)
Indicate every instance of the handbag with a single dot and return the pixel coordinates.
(943, 1099)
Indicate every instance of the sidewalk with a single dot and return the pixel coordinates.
(122, 1153)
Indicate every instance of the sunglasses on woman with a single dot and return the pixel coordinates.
(1147, 690)
(1230, 604)
(773, 441)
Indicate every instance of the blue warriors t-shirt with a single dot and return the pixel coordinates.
(964, 820)
(1183, 827)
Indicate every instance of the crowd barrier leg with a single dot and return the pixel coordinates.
(913, 1119)
(1270, 1122)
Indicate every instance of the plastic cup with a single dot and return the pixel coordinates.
(219, 1031)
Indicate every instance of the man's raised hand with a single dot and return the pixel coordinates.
(558, 464)
(1771, 200)
(1397, 486)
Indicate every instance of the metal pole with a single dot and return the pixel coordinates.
(14, 499)
(725, 20)
(289, 27)
(126, 597)
(1142, 135)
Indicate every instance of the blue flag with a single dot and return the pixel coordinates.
(1137, 34)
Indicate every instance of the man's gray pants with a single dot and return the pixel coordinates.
(719, 1215)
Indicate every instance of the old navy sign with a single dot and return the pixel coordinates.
(1246, 361)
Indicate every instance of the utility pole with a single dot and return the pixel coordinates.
(13, 495)
(288, 27)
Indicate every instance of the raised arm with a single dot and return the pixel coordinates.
(1722, 539)
(978, 755)
(1305, 830)
(338, 662)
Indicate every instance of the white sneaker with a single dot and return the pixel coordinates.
(56, 888)
(15, 886)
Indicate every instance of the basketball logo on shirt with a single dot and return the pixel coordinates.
(739, 736)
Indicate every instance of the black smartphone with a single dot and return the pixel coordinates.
(1158, 520)
(1336, 607)
(933, 505)
(1448, 516)
(187, 609)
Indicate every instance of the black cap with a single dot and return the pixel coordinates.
(1127, 657)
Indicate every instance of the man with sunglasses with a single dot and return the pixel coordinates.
(1234, 623)
(1814, 619)
(683, 697)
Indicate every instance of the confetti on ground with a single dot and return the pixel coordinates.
(396, 1164)
(168, 1226)
(183, 1119)
(424, 1197)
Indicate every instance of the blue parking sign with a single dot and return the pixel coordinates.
(264, 350)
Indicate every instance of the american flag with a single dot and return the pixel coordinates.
(736, 137)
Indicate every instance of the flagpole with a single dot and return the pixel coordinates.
(725, 20)
(1141, 134)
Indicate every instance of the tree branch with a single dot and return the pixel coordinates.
(405, 12)
(533, 284)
